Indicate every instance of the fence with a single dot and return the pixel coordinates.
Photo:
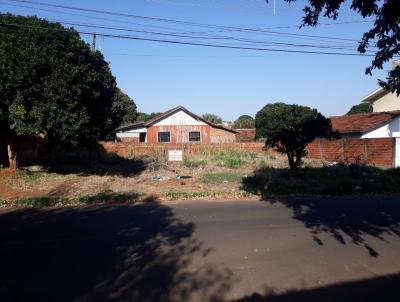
(372, 151)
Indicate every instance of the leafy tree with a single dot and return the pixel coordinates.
(384, 34)
(52, 84)
(144, 117)
(244, 122)
(360, 108)
(123, 108)
(212, 118)
(290, 128)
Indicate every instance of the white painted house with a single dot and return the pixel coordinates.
(383, 100)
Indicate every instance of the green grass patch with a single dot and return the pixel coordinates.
(109, 196)
(189, 195)
(219, 178)
(336, 180)
(231, 158)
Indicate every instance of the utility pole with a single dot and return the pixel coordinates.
(94, 42)
(274, 8)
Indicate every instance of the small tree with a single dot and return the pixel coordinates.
(360, 108)
(244, 122)
(212, 118)
(290, 128)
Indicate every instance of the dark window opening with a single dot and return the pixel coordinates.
(194, 136)
(164, 137)
(142, 137)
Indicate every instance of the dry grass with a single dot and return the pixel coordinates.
(206, 175)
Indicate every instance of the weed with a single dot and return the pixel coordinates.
(131, 152)
(191, 162)
(189, 195)
(230, 159)
(36, 202)
(109, 196)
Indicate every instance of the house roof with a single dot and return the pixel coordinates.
(168, 113)
(359, 123)
(374, 95)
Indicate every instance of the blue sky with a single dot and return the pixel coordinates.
(227, 82)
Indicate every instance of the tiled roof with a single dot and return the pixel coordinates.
(361, 122)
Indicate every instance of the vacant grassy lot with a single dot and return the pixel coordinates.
(225, 175)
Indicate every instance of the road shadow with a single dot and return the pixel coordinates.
(369, 290)
(347, 219)
(104, 253)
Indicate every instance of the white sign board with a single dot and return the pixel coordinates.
(175, 155)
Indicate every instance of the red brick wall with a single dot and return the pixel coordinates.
(179, 134)
(246, 135)
(129, 139)
(125, 149)
(372, 151)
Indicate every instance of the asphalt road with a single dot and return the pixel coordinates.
(293, 249)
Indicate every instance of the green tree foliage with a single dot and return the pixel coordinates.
(144, 117)
(244, 122)
(51, 83)
(123, 108)
(360, 108)
(384, 33)
(212, 118)
(290, 128)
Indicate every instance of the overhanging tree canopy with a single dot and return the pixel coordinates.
(384, 34)
(51, 83)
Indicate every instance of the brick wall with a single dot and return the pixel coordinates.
(128, 149)
(245, 135)
(372, 151)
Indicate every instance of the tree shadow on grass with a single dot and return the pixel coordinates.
(96, 162)
(347, 219)
(104, 253)
(369, 290)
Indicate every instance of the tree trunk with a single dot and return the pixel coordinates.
(12, 154)
(292, 163)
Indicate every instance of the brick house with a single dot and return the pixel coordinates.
(369, 138)
(368, 125)
(176, 126)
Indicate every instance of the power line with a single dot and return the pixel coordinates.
(207, 38)
(229, 28)
(195, 43)
(247, 30)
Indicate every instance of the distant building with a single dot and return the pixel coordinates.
(368, 125)
(176, 126)
(383, 100)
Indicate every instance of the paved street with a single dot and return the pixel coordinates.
(330, 249)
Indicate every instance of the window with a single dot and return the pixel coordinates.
(164, 137)
(194, 136)
(142, 137)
